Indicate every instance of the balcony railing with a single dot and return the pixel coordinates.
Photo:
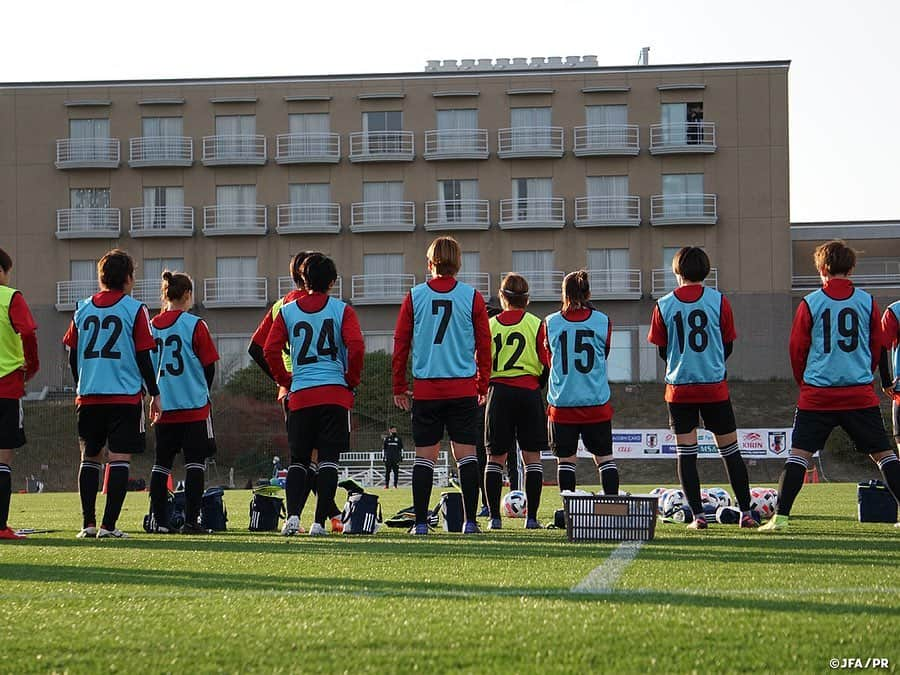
(683, 209)
(624, 211)
(686, 137)
(380, 289)
(235, 292)
(532, 213)
(456, 144)
(800, 282)
(480, 281)
(87, 153)
(148, 291)
(161, 151)
(457, 214)
(234, 149)
(606, 140)
(309, 218)
(308, 148)
(88, 223)
(235, 219)
(383, 217)
(162, 221)
(70, 292)
(382, 146)
(664, 281)
(286, 285)
(543, 285)
(615, 284)
(530, 142)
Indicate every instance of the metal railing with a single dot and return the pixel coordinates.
(161, 151)
(382, 146)
(543, 285)
(456, 144)
(234, 149)
(91, 223)
(530, 142)
(812, 281)
(70, 292)
(310, 147)
(623, 210)
(286, 285)
(663, 281)
(532, 212)
(74, 153)
(606, 139)
(383, 217)
(384, 289)
(235, 292)
(309, 218)
(235, 219)
(148, 291)
(684, 137)
(480, 281)
(683, 209)
(162, 221)
(458, 214)
(615, 284)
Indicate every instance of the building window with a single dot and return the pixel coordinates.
(379, 341)
(89, 198)
(537, 268)
(232, 356)
(240, 267)
(611, 269)
(310, 193)
(532, 198)
(234, 202)
(162, 203)
(89, 129)
(875, 265)
(680, 190)
(309, 123)
(682, 123)
(382, 274)
(235, 125)
(457, 119)
(530, 125)
(612, 190)
(451, 193)
(383, 202)
(471, 262)
(379, 125)
(162, 127)
(605, 115)
(83, 270)
(619, 364)
(154, 267)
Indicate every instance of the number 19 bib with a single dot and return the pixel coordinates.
(840, 355)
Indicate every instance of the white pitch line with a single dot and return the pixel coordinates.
(603, 578)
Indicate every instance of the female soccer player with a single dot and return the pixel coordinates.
(110, 347)
(578, 341)
(515, 411)
(185, 362)
(445, 323)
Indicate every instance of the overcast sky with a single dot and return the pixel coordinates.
(844, 89)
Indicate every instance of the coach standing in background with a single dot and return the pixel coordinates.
(392, 454)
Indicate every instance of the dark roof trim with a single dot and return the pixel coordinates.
(88, 103)
(161, 101)
(301, 99)
(606, 90)
(442, 94)
(234, 99)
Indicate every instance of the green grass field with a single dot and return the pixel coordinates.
(725, 600)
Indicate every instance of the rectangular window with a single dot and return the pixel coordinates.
(537, 267)
(619, 363)
(165, 204)
(604, 115)
(310, 193)
(154, 267)
(232, 356)
(681, 192)
(471, 262)
(875, 265)
(609, 268)
(82, 270)
(235, 136)
(532, 198)
(530, 128)
(241, 267)
(682, 123)
(383, 202)
(309, 123)
(611, 191)
(235, 195)
(451, 194)
(162, 127)
(89, 129)
(457, 119)
(235, 125)
(382, 272)
(389, 120)
(379, 341)
(89, 198)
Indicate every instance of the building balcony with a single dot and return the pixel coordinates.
(456, 144)
(683, 209)
(308, 148)
(162, 221)
(148, 291)
(615, 284)
(807, 283)
(160, 151)
(380, 289)
(534, 213)
(457, 214)
(235, 219)
(480, 281)
(68, 293)
(664, 281)
(526, 142)
(543, 285)
(286, 285)
(382, 146)
(607, 140)
(684, 138)
(624, 211)
(234, 150)
(224, 292)
(87, 153)
(88, 223)
(383, 217)
(309, 218)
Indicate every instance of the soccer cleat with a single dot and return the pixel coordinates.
(698, 524)
(471, 528)
(161, 529)
(748, 521)
(103, 533)
(89, 532)
(291, 526)
(533, 524)
(776, 524)
(194, 528)
(337, 525)
(495, 524)
(8, 533)
(897, 525)
(419, 529)
(316, 530)
(484, 513)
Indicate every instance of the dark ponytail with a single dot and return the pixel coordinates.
(175, 285)
(576, 291)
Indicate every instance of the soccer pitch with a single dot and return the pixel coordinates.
(724, 600)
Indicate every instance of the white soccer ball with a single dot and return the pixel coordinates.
(672, 500)
(721, 496)
(764, 501)
(515, 504)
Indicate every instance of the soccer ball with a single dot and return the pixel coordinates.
(720, 495)
(764, 501)
(515, 504)
(672, 500)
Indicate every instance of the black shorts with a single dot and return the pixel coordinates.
(195, 439)
(12, 424)
(717, 417)
(596, 436)
(118, 426)
(864, 426)
(457, 415)
(514, 414)
(895, 413)
(322, 427)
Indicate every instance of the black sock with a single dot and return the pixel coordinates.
(468, 483)
(327, 487)
(565, 476)
(116, 489)
(88, 484)
(5, 493)
(737, 474)
(534, 483)
(422, 478)
(493, 485)
(294, 489)
(312, 475)
(686, 463)
(194, 475)
(890, 470)
(790, 483)
(159, 494)
(609, 477)
(512, 470)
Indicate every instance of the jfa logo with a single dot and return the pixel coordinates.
(777, 442)
(652, 440)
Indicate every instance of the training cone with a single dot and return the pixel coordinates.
(812, 475)
(105, 477)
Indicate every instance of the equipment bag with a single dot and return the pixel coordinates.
(213, 514)
(175, 505)
(876, 503)
(452, 511)
(266, 511)
(362, 514)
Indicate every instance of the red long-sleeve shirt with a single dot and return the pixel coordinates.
(12, 385)
(327, 394)
(832, 398)
(451, 387)
(890, 329)
(262, 330)
(510, 317)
